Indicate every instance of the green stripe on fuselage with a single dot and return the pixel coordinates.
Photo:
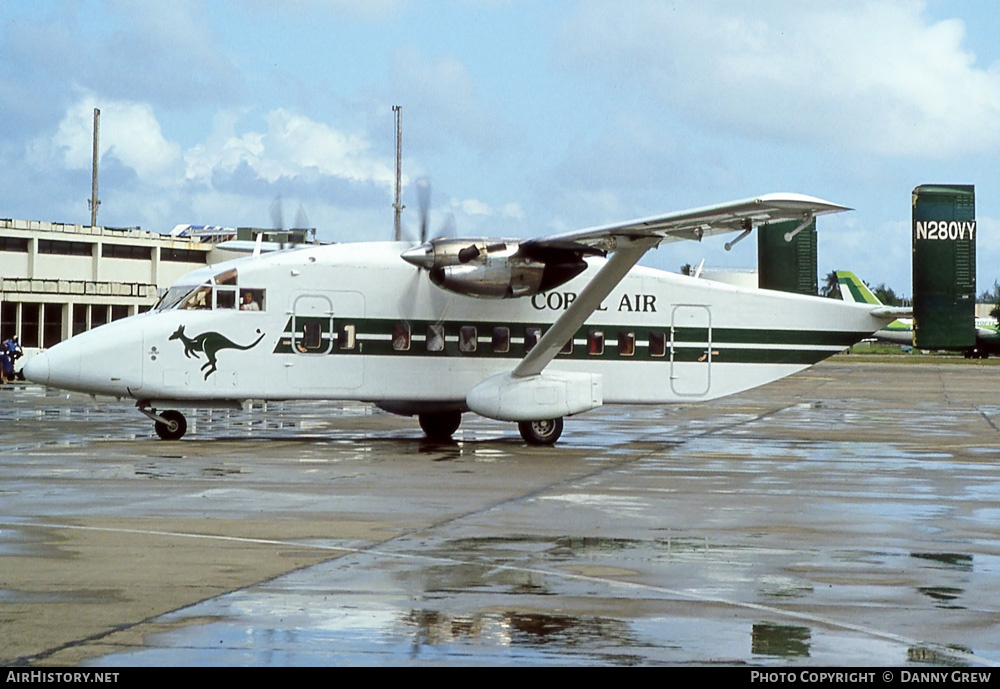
(373, 337)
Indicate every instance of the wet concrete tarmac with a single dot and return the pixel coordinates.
(849, 515)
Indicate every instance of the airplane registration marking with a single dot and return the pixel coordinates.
(944, 229)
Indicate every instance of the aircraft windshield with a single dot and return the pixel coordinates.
(218, 292)
(172, 297)
(200, 298)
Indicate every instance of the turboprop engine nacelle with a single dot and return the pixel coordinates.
(497, 269)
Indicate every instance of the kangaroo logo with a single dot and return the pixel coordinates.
(209, 343)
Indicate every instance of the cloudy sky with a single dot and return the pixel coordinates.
(528, 117)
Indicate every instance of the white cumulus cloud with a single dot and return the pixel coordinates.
(879, 76)
(128, 132)
(291, 145)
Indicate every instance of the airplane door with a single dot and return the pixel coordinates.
(323, 357)
(691, 350)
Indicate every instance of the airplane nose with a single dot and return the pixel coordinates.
(37, 369)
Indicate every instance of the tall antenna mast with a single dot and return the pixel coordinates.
(94, 203)
(398, 206)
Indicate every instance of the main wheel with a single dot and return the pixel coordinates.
(174, 429)
(442, 425)
(545, 432)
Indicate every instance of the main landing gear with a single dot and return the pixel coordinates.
(169, 424)
(545, 432)
(440, 426)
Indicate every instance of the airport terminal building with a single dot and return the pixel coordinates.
(58, 280)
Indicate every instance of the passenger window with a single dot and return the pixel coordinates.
(657, 343)
(501, 340)
(346, 336)
(251, 300)
(626, 343)
(312, 336)
(595, 342)
(467, 339)
(400, 337)
(435, 338)
(531, 337)
(568, 347)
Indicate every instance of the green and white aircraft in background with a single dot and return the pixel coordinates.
(900, 331)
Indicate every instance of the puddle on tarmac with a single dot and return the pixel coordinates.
(267, 629)
(434, 608)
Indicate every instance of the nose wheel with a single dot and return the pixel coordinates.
(545, 432)
(169, 424)
(173, 427)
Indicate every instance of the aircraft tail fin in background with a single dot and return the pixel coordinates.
(853, 289)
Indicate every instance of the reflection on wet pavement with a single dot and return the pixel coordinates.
(783, 641)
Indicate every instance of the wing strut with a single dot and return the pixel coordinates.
(607, 278)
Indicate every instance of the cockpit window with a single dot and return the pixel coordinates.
(200, 298)
(251, 300)
(225, 297)
(218, 292)
(172, 297)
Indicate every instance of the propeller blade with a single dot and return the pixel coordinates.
(448, 229)
(301, 220)
(277, 215)
(424, 197)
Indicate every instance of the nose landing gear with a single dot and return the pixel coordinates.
(169, 424)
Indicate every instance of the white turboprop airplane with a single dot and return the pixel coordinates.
(518, 330)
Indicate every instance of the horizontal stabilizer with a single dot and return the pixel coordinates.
(892, 311)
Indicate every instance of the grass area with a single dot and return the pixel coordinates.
(881, 352)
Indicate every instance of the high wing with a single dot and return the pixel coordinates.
(695, 224)
(628, 242)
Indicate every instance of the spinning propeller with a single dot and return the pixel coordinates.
(278, 222)
(439, 300)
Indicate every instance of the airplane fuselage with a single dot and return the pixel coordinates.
(354, 321)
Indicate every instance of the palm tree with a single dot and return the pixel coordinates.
(831, 287)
